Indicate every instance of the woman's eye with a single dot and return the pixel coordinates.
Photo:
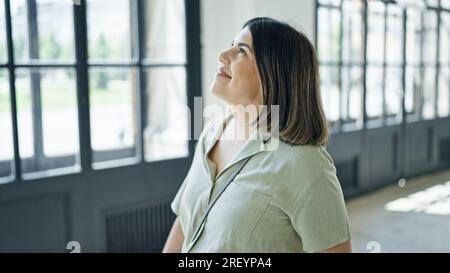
(241, 51)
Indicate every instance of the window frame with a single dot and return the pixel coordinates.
(81, 68)
(384, 119)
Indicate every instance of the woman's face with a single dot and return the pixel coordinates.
(237, 80)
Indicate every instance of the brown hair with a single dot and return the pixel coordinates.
(289, 72)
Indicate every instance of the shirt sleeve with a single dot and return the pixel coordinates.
(320, 218)
(175, 204)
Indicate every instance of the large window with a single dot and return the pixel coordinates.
(341, 55)
(444, 64)
(3, 54)
(395, 54)
(6, 136)
(130, 56)
(45, 84)
(119, 65)
(413, 68)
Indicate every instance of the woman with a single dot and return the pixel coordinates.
(286, 199)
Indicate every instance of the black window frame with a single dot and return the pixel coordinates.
(81, 67)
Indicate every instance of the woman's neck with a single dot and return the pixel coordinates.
(241, 125)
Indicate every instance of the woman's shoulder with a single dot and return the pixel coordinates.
(303, 169)
(297, 160)
(302, 156)
(302, 164)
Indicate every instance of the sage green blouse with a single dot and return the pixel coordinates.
(286, 198)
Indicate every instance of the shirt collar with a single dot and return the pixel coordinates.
(256, 143)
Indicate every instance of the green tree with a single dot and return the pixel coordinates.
(49, 48)
(101, 52)
(2, 52)
(19, 47)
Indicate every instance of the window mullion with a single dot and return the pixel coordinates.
(349, 67)
(12, 90)
(438, 48)
(193, 66)
(364, 95)
(340, 60)
(383, 91)
(80, 28)
(422, 65)
(36, 98)
(141, 97)
(404, 45)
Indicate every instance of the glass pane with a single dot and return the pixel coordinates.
(393, 93)
(329, 78)
(6, 135)
(394, 50)
(47, 120)
(413, 36)
(112, 93)
(165, 30)
(167, 129)
(46, 41)
(3, 52)
(54, 16)
(445, 4)
(24, 114)
(374, 100)
(109, 31)
(351, 92)
(432, 3)
(413, 93)
(330, 2)
(444, 56)
(444, 92)
(429, 90)
(352, 44)
(328, 34)
(59, 112)
(20, 30)
(375, 36)
(430, 37)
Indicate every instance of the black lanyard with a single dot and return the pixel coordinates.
(216, 197)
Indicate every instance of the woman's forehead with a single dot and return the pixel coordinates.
(244, 36)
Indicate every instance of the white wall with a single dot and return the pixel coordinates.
(222, 20)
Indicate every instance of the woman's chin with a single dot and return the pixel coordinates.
(219, 93)
(217, 88)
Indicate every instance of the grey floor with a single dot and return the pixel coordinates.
(410, 216)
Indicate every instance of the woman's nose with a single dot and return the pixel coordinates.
(223, 57)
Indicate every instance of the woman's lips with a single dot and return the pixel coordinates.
(222, 73)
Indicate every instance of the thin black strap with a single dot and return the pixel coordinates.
(224, 187)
